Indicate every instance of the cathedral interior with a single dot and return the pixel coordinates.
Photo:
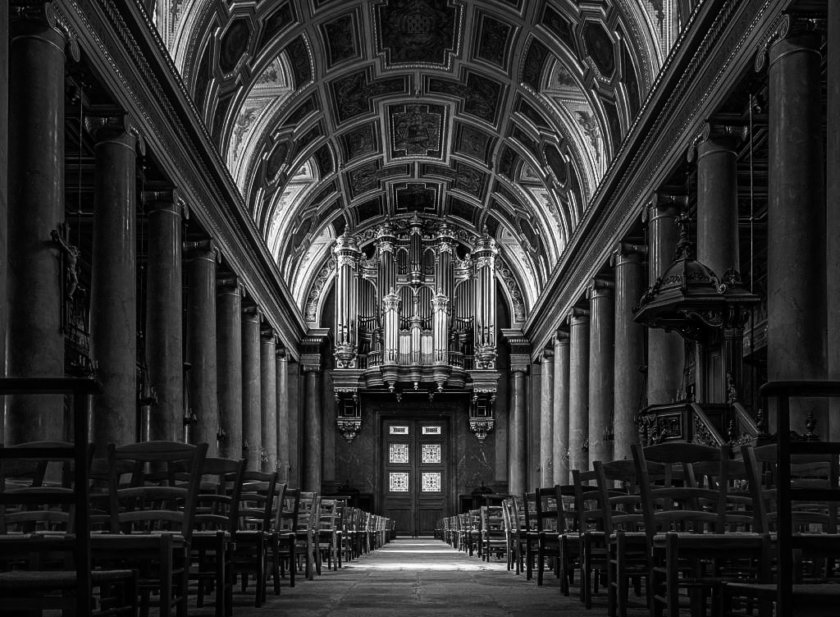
(418, 251)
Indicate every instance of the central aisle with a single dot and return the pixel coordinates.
(418, 577)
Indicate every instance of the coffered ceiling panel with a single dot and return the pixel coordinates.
(335, 114)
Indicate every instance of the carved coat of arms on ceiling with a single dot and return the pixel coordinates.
(416, 130)
(417, 31)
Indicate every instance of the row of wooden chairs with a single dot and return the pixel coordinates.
(707, 530)
(155, 522)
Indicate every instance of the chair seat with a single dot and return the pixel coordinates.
(52, 579)
(809, 593)
(717, 542)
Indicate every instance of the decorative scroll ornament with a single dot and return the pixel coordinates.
(349, 421)
(482, 427)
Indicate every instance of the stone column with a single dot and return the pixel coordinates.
(251, 388)
(283, 460)
(268, 390)
(229, 362)
(36, 208)
(666, 350)
(164, 313)
(717, 200)
(517, 458)
(629, 348)
(4, 201)
(832, 225)
(113, 293)
(547, 418)
(561, 408)
(313, 446)
(201, 342)
(579, 390)
(601, 341)
(796, 289)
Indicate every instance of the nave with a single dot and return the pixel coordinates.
(417, 577)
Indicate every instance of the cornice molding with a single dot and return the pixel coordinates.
(696, 77)
(129, 54)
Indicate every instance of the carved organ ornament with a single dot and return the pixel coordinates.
(415, 310)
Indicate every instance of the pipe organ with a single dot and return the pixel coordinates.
(415, 307)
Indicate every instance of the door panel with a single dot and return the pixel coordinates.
(415, 478)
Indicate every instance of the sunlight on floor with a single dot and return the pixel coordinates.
(438, 567)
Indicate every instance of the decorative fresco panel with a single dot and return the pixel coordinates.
(279, 20)
(430, 453)
(599, 47)
(363, 178)
(493, 42)
(417, 31)
(323, 156)
(473, 142)
(301, 111)
(470, 180)
(416, 197)
(234, 44)
(430, 481)
(340, 39)
(360, 141)
(352, 93)
(416, 130)
(398, 482)
(560, 26)
(534, 63)
(461, 209)
(369, 209)
(481, 95)
(398, 453)
(299, 58)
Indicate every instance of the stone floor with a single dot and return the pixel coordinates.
(419, 577)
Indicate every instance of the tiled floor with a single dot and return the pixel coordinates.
(422, 577)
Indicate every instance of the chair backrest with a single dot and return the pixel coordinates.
(218, 499)
(258, 500)
(328, 515)
(308, 511)
(807, 471)
(152, 498)
(529, 509)
(679, 503)
(549, 509)
(288, 514)
(37, 489)
(621, 497)
(588, 507)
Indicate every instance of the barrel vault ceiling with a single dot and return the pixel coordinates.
(497, 115)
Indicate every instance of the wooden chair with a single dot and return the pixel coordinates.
(257, 511)
(515, 533)
(38, 532)
(215, 525)
(327, 535)
(493, 539)
(152, 512)
(307, 524)
(686, 526)
(592, 537)
(549, 527)
(529, 501)
(625, 539)
(799, 493)
(284, 539)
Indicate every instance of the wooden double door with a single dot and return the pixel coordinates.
(416, 477)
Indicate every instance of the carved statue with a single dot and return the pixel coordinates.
(71, 263)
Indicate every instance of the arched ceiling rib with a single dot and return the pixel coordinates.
(334, 114)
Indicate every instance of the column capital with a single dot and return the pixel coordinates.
(110, 123)
(282, 353)
(164, 200)
(547, 354)
(228, 284)
(578, 316)
(664, 204)
(252, 312)
(30, 16)
(202, 250)
(786, 26)
(267, 334)
(628, 252)
(599, 288)
(716, 136)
